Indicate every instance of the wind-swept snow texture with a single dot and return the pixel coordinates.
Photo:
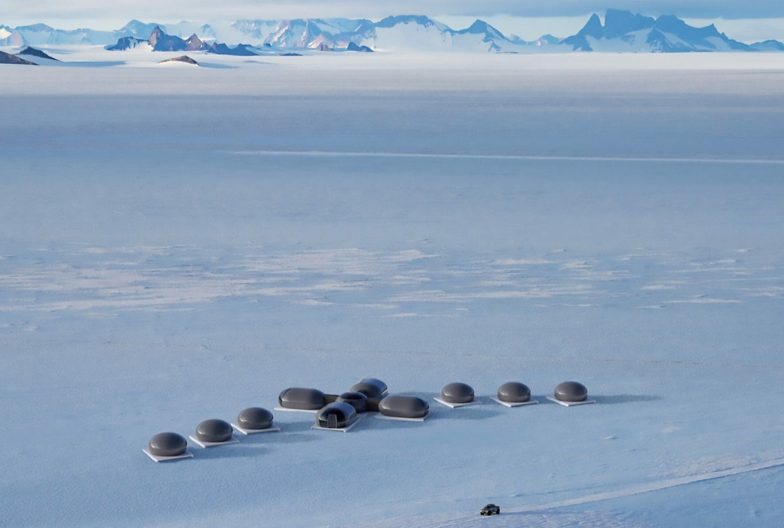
(180, 244)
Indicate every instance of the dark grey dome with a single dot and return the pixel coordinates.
(457, 393)
(357, 400)
(403, 407)
(213, 430)
(571, 391)
(167, 444)
(514, 392)
(336, 415)
(370, 387)
(302, 399)
(255, 418)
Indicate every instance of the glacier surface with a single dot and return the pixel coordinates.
(178, 244)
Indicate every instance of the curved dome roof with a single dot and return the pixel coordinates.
(255, 418)
(457, 393)
(214, 430)
(167, 444)
(336, 415)
(358, 400)
(570, 391)
(514, 392)
(398, 406)
(302, 399)
(370, 387)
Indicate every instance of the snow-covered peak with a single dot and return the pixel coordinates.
(126, 43)
(194, 43)
(420, 20)
(161, 41)
(38, 28)
(627, 31)
(297, 33)
(617, 31)
(139, 29)
(618, 23)
(480, 27)
(593, 28)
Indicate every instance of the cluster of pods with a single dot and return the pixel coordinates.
(210, 433)
(340, 412)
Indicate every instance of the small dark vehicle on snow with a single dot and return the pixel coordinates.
(490, 509)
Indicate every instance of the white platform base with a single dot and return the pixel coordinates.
(206, 445)
(157, 458)
(284, 409)
(454, 405)
(570, 404)
(398, 419)
(338, 429)
(510, 404)
(254, 431)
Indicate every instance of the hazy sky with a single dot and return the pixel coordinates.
(748, 19)
(103, 9)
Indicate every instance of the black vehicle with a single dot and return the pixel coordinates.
(490, 509)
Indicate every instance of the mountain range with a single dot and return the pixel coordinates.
(625, 31)
(618, 31)
(159, 40)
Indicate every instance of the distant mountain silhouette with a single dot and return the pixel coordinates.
(7, 58)
(617, 31)
(183, 59)
(242, 50)
(627, 31)
(29, 51)
(161, 41)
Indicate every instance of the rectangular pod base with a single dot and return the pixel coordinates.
(570, 404)
(454, 405)
(400, 419)
(512, 404)
(254, 431)
(206, 445)
(156, 458)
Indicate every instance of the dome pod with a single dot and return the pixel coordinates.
(167, 445)
(397, 406)
(255, 419)
(214, 431)
(370, 387)
(571, 392)
(337, 415)
(457, 393)
(514, 392)
(302, 399)
(357, 400)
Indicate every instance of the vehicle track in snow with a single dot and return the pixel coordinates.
(545, 515)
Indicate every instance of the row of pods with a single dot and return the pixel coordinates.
(514, 392)
(341, 411)
(168, 445)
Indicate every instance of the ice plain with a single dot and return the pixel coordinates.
(178, 244)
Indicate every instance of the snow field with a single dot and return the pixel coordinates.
(174, 250)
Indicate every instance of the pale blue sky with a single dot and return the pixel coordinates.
(742, 19)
